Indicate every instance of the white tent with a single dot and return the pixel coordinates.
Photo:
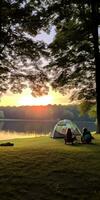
(62, 126)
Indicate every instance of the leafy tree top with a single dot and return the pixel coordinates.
(72, 51)
(20, 53)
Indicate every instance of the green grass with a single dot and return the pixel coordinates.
(45, 169)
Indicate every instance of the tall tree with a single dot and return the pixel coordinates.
(96, 21)
(75, 50)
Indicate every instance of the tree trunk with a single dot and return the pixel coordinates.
(95, 14)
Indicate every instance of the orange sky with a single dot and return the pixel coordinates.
(25, 98)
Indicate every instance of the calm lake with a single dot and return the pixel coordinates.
(38, 127)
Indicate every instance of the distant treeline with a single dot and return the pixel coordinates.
(49, 112)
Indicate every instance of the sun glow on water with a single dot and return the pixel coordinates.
(4, 135)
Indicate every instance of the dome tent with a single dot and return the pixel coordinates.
(61, 127)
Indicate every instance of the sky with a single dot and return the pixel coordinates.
(25, 98)
(48, 38)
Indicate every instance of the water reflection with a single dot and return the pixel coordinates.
(1, 125)
(27, 126)
(39, 127)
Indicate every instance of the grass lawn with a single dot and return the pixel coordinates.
(45, 169)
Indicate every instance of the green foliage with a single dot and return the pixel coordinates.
(20, 53)
(2, 115)
(72, 50)
(93, 111)
(87, 107)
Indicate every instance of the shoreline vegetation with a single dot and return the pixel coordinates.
(33, 120)
(45, 169)
(37, 120)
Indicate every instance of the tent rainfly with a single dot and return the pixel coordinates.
(61, 128)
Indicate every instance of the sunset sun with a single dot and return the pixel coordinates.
(26, 98)
(29, 100)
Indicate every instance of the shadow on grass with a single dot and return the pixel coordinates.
(95, 144)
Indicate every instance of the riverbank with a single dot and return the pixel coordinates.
(45, 169)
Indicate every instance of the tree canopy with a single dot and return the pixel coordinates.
(72, 56)
(72, 51)
(75, 52)
(20, 53)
